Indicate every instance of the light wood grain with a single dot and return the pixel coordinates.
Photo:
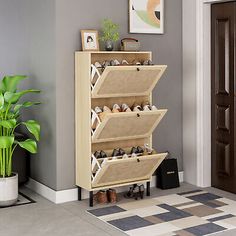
(82, 120)
(126, 170)
(121, 81)
(127, 125)
(107, 136)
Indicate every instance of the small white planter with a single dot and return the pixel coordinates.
(8, 190)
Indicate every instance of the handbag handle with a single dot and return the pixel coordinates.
(128, 39)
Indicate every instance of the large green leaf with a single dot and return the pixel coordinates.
(25, 104)
(33, 127)
(10, 83)
(6, 141)
(9, 124)
(13, 98)
(29, 144)
(1, 101)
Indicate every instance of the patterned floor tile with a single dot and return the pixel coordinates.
(225, 225)
(189, 222)
(106, 211)
(189, 205)
(139, 204)
(205, 229)
(154, 230)
(195, 213)
(148, 211)
(194, 194)
(183, 233)
(231, 221)
(214, 215)
(169, 216)
(201, 210)
(220, 218)
(205, 197)
(116, 216)
(197, 191)
(130, 223)
(215, 203)
(230, 209)
(153, 219)
(173, 199)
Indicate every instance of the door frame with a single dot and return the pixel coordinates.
(202, 152)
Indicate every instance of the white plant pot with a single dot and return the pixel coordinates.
(8, 190)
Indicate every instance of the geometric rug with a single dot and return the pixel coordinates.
(193, 213)
(22, 200)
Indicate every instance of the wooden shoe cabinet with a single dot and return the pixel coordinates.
(117, 84)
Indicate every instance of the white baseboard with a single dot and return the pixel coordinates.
(72, 194)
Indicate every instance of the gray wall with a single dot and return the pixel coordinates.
(40, 19)
(39, 39)
(189, 91)
(13, 39)
(74, 15)
(27, 46)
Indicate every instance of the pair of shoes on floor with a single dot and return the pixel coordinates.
(136, 192)
(108, 196)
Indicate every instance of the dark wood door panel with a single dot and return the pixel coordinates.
(222, 55)
(222, 118)
(222, 96)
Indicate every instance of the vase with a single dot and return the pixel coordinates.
(109, 45)
(8, 190)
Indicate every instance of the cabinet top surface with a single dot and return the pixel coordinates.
(109, 52)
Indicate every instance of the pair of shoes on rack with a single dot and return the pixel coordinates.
(145, 106)
(106, 63)
(98, 115)
(100, 154)
(118, 152)
(136, 191)
(124, 62)
(137, 150)
(108, 196)
(148, 150)
(123, 108)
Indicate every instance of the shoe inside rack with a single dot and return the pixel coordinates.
(99, 113)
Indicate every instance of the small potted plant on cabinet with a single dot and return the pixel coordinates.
(110, 34)
(9, 121)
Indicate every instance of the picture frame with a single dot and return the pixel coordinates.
(89, 40)
(146, 16)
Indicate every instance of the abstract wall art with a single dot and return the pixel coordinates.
(146, 16)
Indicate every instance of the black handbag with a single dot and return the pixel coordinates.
(167, 174)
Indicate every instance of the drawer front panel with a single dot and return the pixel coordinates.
(121, 81)
(128, 170)
(125, 126)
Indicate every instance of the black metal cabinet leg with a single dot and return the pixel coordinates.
(79, 193)
(91, 198)
(148, 189)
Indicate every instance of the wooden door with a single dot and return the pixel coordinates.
(223, 96)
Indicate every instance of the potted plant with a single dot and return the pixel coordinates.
(9, 120)
(110, 34)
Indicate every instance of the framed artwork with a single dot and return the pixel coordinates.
(89, 40)
(146, 16)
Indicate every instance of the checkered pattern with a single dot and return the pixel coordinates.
(194, 213)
